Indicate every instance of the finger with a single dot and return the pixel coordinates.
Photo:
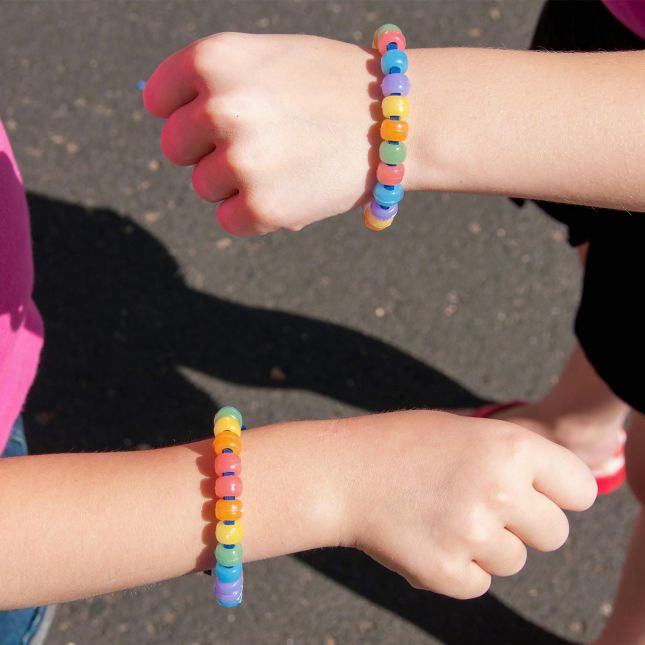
(235, 217)
(212, 178)
(446, 574)
(172, 84)
(503, 556)
(564, 478)
(189, 134)
(476, 583)
(540, 523)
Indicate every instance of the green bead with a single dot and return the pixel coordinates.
(229, 411)
(383, 28)
(228, 557)
(392, 153)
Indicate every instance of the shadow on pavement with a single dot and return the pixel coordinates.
(482, 621)
(120, 320)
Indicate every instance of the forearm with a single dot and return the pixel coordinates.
(81, 524)
(561, 127)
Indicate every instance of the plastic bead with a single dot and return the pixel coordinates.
(228, 574)
(228, 462)
(372, 222)
(393, 61)
(233, 588)
(383, 212)
(386, 27)
(395, 84)
(228, 533)
(228, 509)
(395, 106)
(389, 175)
(229, 411)
(227, 441)
(387, 195)
(228, 557)
(394, 130)
(390, 36)
(230, 486)
(228, 424)
(392, 152)
(231, 604)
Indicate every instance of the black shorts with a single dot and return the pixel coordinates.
(609, 323)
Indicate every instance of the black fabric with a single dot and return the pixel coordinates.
(609, 322)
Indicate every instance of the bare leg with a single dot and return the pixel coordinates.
(626, 625)
(580, 412)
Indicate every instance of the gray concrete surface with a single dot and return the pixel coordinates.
(154, 317)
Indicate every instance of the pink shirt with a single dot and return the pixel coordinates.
(21, 328)
(630, 12)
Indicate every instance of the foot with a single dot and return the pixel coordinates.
(594, 443)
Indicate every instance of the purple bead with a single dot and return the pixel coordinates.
(383, 212)
(228, 588)
(395, 84)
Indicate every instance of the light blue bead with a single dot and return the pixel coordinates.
(387, 196)
(396, 60)
(228, 574)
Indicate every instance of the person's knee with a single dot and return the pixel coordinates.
(635, 456)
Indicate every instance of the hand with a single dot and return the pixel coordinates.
(279, 127)
(448, 501)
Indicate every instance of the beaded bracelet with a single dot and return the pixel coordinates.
(388, 192)
(229, 581)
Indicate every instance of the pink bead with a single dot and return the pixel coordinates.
(228, 462)
(229, 486)
(388, 37)
(390, 175)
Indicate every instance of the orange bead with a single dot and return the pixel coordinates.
(374, 223)
(227, 440)
(392, 130)
(228, 509)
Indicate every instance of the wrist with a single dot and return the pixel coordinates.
(295, 487)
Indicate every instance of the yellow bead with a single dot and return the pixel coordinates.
(228, 424)
(229, 533)
(374, 223)
(395, 106)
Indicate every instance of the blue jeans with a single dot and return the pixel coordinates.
(19, 626)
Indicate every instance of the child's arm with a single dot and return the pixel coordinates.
(444, 500)
(291, 123)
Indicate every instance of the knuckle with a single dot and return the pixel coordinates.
(207, 52)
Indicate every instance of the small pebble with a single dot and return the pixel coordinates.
(379, 312)
(606, 609)
(475, 228)
(153, 165)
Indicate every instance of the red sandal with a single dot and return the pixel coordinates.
(610, 475)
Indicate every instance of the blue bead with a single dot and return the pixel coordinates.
(394, 58)
(228, 574)
(388, 195)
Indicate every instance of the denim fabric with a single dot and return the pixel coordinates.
(19, 626)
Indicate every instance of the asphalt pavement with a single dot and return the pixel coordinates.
(154, 316)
